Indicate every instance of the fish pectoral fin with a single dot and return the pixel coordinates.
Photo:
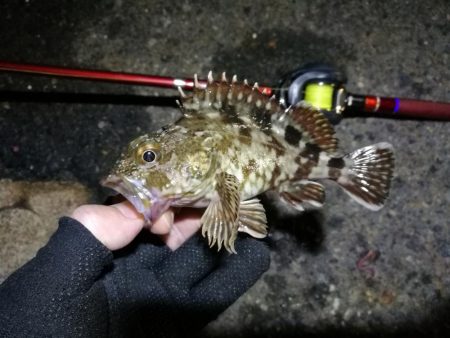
(252, 218)
(302, 194)
(220, 220)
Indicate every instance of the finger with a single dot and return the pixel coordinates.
(237, 273)
(128, 226)
(115, 226)
(188, 264)
(163, 224)
(149, 251)
(187, 223)
(128, 210)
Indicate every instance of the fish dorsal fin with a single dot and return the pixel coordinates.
(308, 124)
(238, 100)
(231, 99)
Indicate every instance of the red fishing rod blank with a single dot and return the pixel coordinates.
(128, 78)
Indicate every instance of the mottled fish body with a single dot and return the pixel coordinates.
(233, 144)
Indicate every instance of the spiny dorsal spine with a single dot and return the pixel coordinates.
(222, 94)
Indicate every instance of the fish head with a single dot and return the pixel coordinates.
(169, 167)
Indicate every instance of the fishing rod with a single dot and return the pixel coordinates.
(320, 85)
(323, 87)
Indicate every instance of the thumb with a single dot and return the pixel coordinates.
(114, 226)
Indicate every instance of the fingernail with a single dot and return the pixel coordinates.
(168, 218)
(163, 224)
(128, 210)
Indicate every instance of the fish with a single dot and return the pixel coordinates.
(234, 143)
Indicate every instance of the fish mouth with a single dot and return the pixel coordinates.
(148, 202)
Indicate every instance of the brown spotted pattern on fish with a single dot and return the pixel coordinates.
(235, 143)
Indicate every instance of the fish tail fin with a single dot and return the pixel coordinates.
(367, 174)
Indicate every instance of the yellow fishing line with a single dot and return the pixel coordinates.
(319, 95)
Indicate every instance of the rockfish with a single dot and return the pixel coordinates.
(234, 143)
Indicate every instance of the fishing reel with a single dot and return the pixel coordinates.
(320, 85)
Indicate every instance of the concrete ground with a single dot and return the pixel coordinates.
(56, 130)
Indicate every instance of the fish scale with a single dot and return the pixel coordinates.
(234, 143)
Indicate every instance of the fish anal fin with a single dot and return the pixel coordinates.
(252, 218)
(220, 220)
(302, 194)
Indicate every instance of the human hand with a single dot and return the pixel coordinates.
(75, 286)
(155, 291)
(115, 226)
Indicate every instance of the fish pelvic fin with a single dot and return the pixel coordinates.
(365, 174)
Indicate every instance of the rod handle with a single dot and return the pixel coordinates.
(399, 107)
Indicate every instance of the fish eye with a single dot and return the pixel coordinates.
(149, 156)
(146, 152)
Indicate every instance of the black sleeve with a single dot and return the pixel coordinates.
(55, 293)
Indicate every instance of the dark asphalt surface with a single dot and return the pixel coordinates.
(58, 129)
